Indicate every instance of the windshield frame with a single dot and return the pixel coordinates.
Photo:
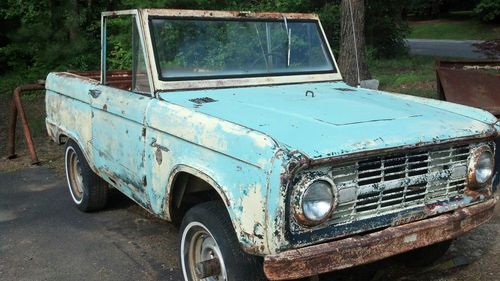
(248, 75)
(161, 84)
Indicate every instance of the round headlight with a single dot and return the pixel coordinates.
(481, 166)
(484, 167)
(317, 201)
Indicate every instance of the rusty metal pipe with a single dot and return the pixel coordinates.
(11, 141)
(18, 110)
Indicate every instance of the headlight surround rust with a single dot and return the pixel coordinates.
(481, 166)
(315, 201)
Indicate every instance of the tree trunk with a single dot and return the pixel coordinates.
(347, 57)
(72, 22)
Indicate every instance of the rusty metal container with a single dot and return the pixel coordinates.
(472, 83)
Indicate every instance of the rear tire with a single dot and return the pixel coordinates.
(207, 233)
(88, 191)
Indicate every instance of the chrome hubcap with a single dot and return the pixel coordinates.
(75, 175)
(202, 255)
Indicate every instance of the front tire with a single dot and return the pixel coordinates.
(208, 235)
(88, 191)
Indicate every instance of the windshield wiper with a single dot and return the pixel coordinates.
(289, 38)
(261, 46)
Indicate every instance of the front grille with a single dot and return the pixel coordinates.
(384, 184)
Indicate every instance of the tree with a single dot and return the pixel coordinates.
(41, 36)
(352, 56)
(386, 28)
(488, 11)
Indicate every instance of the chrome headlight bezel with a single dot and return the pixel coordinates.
(474, 161)
(298, 200)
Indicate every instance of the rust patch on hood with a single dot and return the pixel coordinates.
(201, 101)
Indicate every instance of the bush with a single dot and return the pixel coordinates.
(426, 8)
(43, 36)
(330, 19)
(488, 10)
(385, 27)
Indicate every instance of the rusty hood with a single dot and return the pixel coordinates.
(329, 119)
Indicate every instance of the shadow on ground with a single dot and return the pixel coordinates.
(43, 237)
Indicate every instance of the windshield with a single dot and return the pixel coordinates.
(215, 48)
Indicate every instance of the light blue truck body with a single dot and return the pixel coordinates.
(250, 143)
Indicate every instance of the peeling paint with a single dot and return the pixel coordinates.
(200, 101)
(158, 156)
(257, 146)
(310, 126)
(363, 249)
(251, 205)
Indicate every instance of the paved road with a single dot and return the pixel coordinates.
(445, 48)
(43, 237)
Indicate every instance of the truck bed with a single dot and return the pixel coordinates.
(117, 78)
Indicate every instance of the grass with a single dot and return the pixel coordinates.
(33, 102)
(412, 75)
(468, 29)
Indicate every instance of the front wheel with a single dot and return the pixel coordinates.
(209, 250)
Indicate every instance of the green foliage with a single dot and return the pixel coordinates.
(330, 19)
(119, 43)
(42, 36)
(426, 8)
(281, 5)
(413, 75)
(50, 35)
(385, 28)
(469, 29)
(488, 10)
(197, 47)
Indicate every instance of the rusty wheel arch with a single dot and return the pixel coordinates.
(184, 183)
(62, 136)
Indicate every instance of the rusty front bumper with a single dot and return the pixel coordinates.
(375, 246)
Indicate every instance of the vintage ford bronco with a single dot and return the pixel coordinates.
(237, 127)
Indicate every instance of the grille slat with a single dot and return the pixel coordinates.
(412, 172)
(393, 198)
(448, 158)
(394, 182)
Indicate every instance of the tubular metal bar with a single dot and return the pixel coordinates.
(18, 110)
